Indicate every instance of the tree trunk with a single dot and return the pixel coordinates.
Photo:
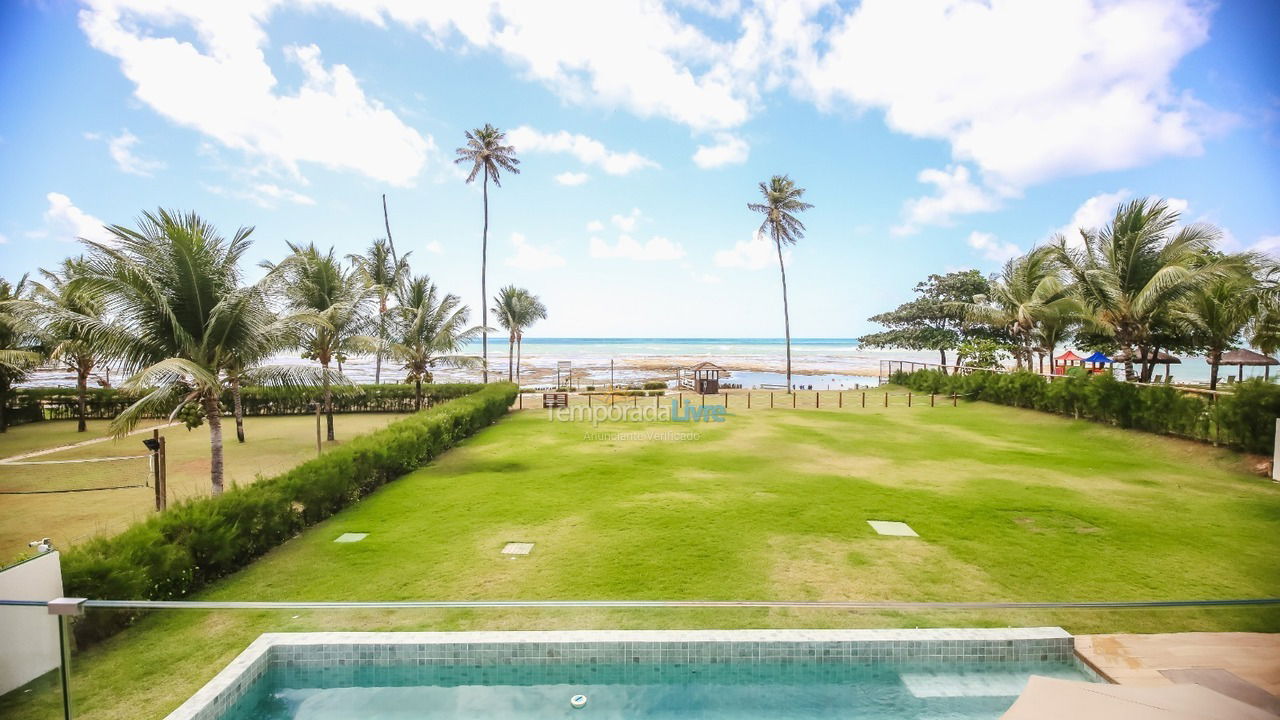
(4, 401)
(519, 347)
(786, 311)
(82, 401)
(511, 353)
(1214, 359)
(214, 418)
(237, 408)
(382, 332)
(943, 353)
(484, 292)
(328, 403)
(417, 393)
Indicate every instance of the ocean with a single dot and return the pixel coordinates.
(834, 363)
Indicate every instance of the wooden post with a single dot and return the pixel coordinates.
(931, 396)
(680, 399)
(588, 399)
(520, 398)
(770, 399)
(908, 398)
(817, 399)
(953, 399)
(637, 400)
(840, 399)
(726, 399)
(886, 399)
(794, 395)
(864, 398)
(748, 399)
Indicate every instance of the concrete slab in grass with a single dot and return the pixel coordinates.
(517, 548)
(889, 527)
(351, 537)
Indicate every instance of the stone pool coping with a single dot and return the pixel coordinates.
(322, 649)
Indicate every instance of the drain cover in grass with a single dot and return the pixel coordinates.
(517, 548)
(887, 527)
(351, 537)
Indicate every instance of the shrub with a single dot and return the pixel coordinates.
(1244, 418)
(655, 385)
(177, 552)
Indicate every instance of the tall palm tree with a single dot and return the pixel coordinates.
(1217, 314)
(1128, 274)
(60, 305)
(782, 201)
(382, 272)
(430, 331)
(172, 284)
(315, 285)
(20, 340)
(1053, 328)
(1028, 292)
(517, 309)
(488, 155)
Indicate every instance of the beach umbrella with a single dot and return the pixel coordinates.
(1052, 699)
(1161, 358)
(1097, 357)
(1243, 357)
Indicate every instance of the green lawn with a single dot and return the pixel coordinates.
(274, 444)
(1010, 505)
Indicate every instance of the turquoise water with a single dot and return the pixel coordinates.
(794, 691)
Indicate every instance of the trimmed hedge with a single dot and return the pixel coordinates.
(175, 553)
(34, 404)
(1244, 418)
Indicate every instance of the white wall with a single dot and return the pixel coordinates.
(28, 635)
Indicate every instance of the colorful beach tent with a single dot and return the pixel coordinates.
(1068, 356)
(1097, 357)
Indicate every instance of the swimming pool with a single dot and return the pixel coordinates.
(965, 674)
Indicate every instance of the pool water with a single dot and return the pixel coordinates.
(790, 691)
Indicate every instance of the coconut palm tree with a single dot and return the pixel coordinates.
(1028, 292)
(172, 283)
(315, 285)
(429, 332)
(60, 305)
(782, 201)
(382, 272)
(20, 340)
(1215, 316)
(486, 152)
(516, 309)
(1129, 273)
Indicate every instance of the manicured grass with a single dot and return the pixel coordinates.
(274, 444)
(54, 433)
(1010, 505)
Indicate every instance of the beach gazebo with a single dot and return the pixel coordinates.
(1161, 358)
(1242, 357)
(703, 378)
(1064, 361)
(1097, 360)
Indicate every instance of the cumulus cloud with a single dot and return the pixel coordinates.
(3, 240)
(1025, 91)
(727, 150)
(595, 226)
(64, 221)
(571, 178)
(991, 247)
(626, 223)
(264, 195)
(121, 149)
(225, 89)
(532, 257)
(627, 247)
(754, 254)
(1269, 244)
(434, 247)
(956, 194)
(588, 151)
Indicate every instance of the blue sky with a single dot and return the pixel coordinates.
(931, 136)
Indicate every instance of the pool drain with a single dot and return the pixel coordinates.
(578, 701)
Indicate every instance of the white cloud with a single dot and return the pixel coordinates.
(532, 257)
(3, 240)
(434, 247)
(571, 178)
(627, 247)
(1026, 92)
(956, 194)
(754, 254)
(991, 248)
(727, 150)
(595, 226)
(225, 89)
(264, 195)
(587, 150)
(1091, 215)
(121, 148)
(68, 223)
(626, 223)
(1269, 244)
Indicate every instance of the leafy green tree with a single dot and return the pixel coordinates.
(1127, 275)
(382, 272)
(516, 309)
(20, 340)
(932, 321)
(1028, 291)
(782, 201)
(60, 305)
(172, 285)
(487, 153)
(1214, 316)
(430, 331)
(316, 286)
